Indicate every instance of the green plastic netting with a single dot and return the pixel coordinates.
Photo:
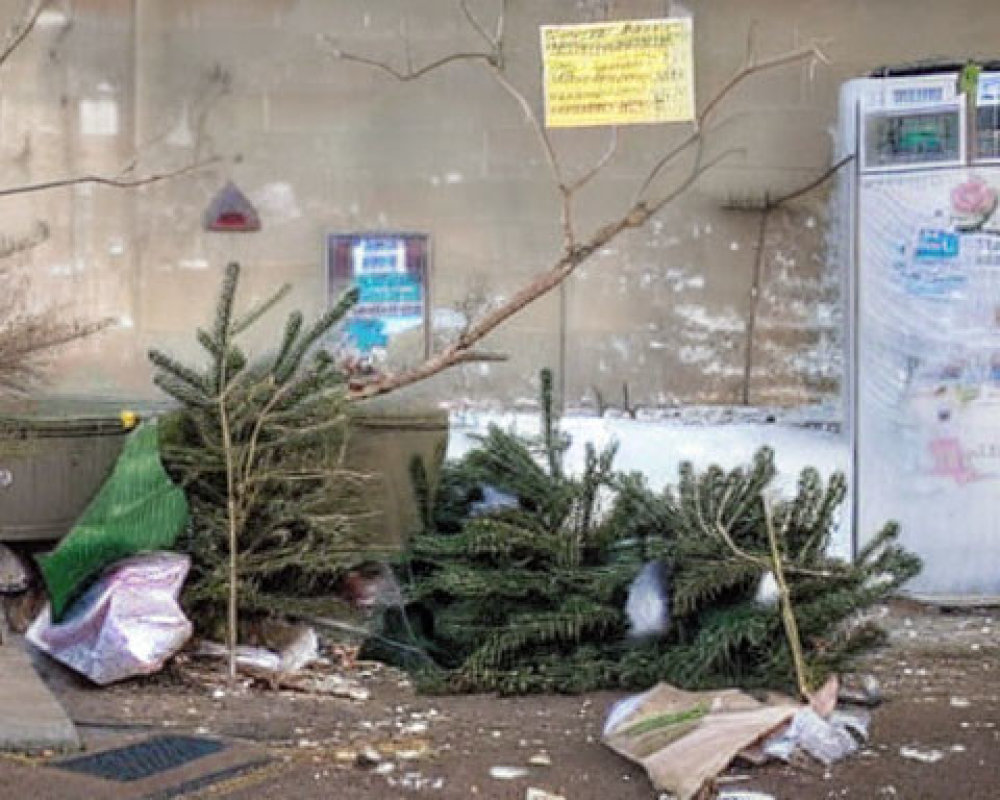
(137, 510)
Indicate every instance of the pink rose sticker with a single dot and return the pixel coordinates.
(972, 203)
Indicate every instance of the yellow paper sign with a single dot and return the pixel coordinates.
(618, 73)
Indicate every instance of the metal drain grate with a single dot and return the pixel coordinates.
(144, 759)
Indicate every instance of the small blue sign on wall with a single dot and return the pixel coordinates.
(390, 270)
(932, 243)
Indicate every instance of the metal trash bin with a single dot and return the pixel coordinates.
(52, 462)
(384, 437)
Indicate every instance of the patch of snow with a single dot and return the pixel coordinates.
(448, 319)
(696, 354)
(657, 448)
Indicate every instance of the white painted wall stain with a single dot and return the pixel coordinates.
(729, 321)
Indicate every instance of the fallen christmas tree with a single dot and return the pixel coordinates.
(518, 582)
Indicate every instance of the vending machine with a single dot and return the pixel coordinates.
(924, 330)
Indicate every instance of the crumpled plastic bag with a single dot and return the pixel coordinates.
(127, 623)
(493, 500)
(139, 509)
(827, 740)
(301, 649)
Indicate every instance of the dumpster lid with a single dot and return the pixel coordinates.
(68, 415)
(382, 412)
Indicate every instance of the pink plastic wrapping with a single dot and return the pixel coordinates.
(127, 623)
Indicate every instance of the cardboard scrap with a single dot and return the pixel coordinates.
(685, 739)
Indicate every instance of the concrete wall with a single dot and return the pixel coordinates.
(323, 146)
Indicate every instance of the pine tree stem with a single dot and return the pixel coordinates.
(787, 612)
(232, 615)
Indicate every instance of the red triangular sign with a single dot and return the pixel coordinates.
(230, 210)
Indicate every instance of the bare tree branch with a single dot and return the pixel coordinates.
(10, 246)
(540, 132)
(808, 53)
(455, 352)
(409, 74)
(481, 356)
(103, 180)
(551, 158)
(493, 60)
(601, 163)
(813, 184)
(19, 33)
(23, 339)
(766, 210)
(464, 5)
(461, 350)
(751, 67)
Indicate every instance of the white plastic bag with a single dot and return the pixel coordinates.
(648, 604)
(827, 740)
(127, 623)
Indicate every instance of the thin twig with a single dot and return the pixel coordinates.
(759, 256)
(493, 60)
(810, 51)
(412, 74)
(19, 34)
(463, 4)
(665, 159)
(758, 265)
(481, 356)
(543, 137)
(232, 615)
(101, 180)
(541, 285)
(751, 67)
(565, 192)
(813, 184)
(600, 164)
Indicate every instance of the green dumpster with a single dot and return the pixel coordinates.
(54, 457)
(384, 437)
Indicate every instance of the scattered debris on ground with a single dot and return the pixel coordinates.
(685, 739)
(313, 740)
(15, 574)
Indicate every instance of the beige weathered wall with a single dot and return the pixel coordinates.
(323, 145)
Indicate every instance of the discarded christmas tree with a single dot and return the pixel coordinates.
(257, 447)
(727, 628)
(517, 584)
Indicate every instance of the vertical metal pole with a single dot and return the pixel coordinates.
(758, 266)
(561, 385)
(854, 329)
(134, 254)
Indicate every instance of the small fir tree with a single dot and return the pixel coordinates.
(257, 446)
